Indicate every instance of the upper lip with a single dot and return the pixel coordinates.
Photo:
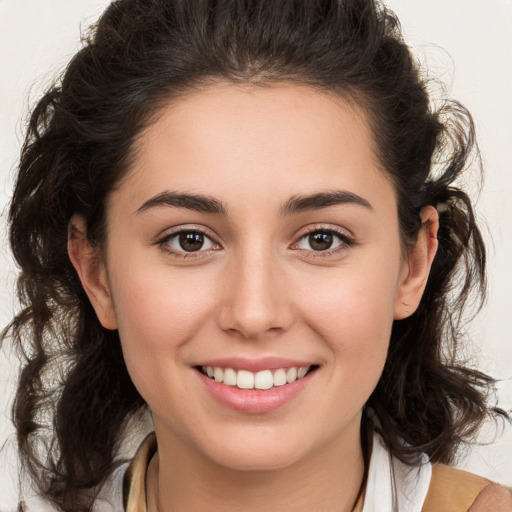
(254, 365)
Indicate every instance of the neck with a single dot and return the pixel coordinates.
(330, 479)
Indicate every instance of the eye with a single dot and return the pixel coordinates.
(187, 241)
(323, 240)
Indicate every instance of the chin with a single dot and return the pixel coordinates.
(257, 461)
(256, 455)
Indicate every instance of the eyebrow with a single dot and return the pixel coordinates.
(321, 200)
(206, 204)
(195, 202)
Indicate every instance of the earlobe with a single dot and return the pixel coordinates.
(91, 270)
(418, 265)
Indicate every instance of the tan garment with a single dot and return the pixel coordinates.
(451, 489)
(134, 486)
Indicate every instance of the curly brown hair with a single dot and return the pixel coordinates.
(75, 395)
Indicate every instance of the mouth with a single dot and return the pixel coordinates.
(261, 380)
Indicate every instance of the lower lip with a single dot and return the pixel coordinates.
(255, 401)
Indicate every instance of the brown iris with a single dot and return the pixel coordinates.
(320, 241)
(191, 241)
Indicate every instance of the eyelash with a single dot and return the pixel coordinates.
(345, 241)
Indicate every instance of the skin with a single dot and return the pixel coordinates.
(258, 289)
(494, 498)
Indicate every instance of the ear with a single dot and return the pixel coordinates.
(91, 270)
(417, 267)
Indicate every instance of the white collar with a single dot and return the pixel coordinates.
(393, 486)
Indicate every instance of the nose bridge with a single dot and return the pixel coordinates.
(254, 303)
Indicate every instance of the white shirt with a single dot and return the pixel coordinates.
(393, 486)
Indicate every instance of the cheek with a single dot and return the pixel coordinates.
(156, 316)
(362, 301)
(151, 297)
(353, 312)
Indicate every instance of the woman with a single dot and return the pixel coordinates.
(241, 216)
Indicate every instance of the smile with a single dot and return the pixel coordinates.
(262, 380)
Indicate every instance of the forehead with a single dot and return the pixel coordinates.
(232, 141)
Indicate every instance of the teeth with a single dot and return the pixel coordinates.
(218, 374)
(265, 379)
(245, 379)
(230, 377)
(279, 377)
(291, 375)
(301, 372)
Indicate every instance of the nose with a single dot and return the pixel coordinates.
(256, 300)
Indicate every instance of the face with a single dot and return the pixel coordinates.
(254, 238)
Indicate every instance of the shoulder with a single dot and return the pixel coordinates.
(453, 489)
(494, 498)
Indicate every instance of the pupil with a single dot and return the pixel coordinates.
(320, 241)
(191, 241)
